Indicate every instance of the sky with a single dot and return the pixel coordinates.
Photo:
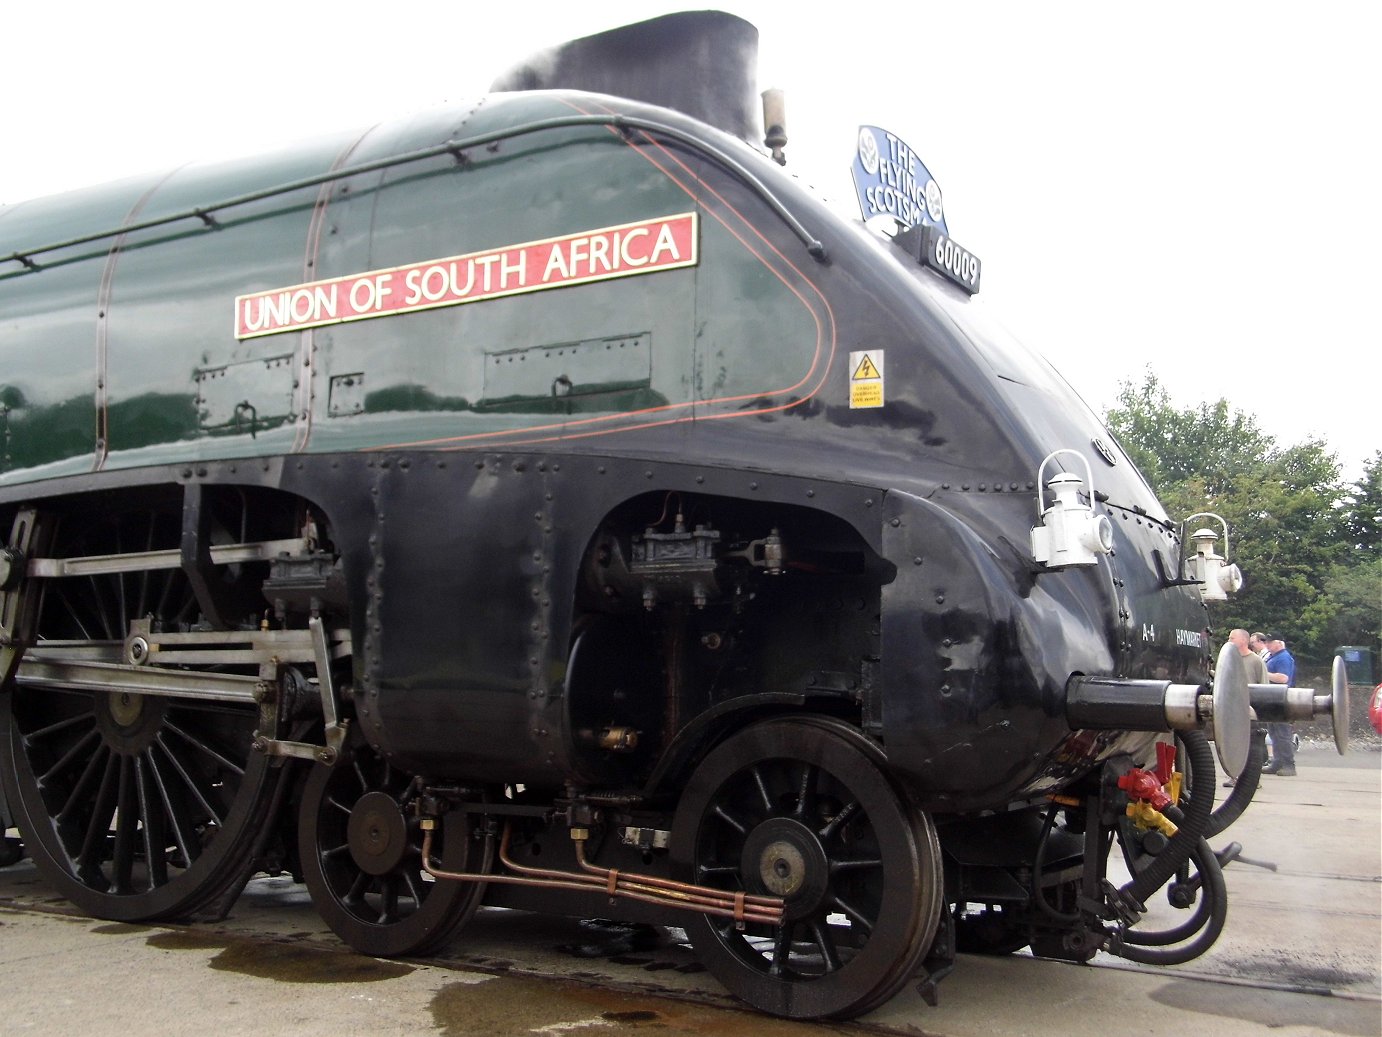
(1186, 188)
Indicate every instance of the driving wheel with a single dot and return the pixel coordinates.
(135, 807)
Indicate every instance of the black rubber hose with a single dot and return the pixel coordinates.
(1208, 920)
(1182, 844)
(1187, 929)
(1244, 788)
(1038, 866)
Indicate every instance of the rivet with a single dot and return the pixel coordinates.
(940, 599)
(896, 522)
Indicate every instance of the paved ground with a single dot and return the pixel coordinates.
(1302, 955)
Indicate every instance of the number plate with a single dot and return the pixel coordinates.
(939, 252)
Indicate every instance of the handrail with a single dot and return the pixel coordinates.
(457, 148)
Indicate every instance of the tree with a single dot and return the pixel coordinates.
(1209, 446)
(1287, 510)
(1363, 517)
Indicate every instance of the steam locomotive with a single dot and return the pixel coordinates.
(550, 503)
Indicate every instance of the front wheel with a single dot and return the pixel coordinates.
(797, 809)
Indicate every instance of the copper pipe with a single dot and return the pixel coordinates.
(644, 888)
(669, 884)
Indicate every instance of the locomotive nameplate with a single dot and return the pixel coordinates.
(665, 243)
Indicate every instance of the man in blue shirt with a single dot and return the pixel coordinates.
(1281, 669)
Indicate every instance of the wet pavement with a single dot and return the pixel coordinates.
(1302, 954)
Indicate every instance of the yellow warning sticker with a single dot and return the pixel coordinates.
(866, 378)
(865, 370)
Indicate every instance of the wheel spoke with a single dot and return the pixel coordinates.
(826, 943)
(705, 870)
(155, 846)
(335, 851)
(839, 864)
(98, 827)
(122, 609)
(126, 828)
(782, 949)
(806, 792)
(853, 914)
(388, 899)
(762, 785)
(211, 813)
(74, 615)
(170, 576)
(77, 796)
(356, 893)
(175, 812)
(67, 758)
(61, 725)
(144, 573)
(740, 826)
(198, 744)
(102, 612)
(415, 890)
(833, 826)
